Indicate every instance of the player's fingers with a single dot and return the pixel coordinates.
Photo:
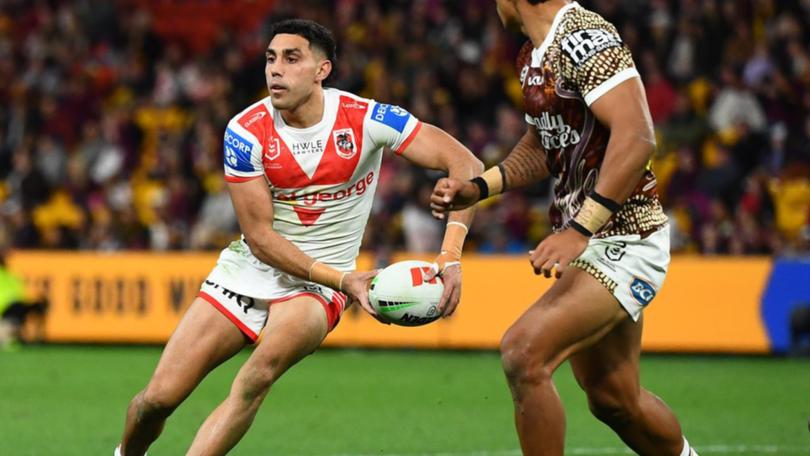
(362, 298)
(537, 261)
(547, 267)
(452, 303)
(443, 301)
(432, 272)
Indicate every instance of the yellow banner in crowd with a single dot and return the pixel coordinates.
(708, 305)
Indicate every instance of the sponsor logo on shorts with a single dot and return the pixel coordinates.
(615, 251)
(392, 116)
(642, 291)
(244, 302)
(581, 45)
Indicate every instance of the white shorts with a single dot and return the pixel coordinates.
(244, 290)
(631, 268)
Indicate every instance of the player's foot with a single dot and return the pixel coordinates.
(118, 451)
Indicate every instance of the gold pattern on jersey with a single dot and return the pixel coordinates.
(584, 59)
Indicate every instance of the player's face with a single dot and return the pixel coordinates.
(293, 71)
(507, 11)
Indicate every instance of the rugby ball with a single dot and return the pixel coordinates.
(401, 294)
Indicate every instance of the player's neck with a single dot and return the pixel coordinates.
(537, 19)
(308, 113)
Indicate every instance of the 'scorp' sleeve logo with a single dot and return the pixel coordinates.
(581, 45)
(642, 291)
(392, 116)
(237, 152)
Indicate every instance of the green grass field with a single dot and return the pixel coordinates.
(68, 400)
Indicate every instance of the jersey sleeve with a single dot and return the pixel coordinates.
(391, 126)
(596, 59)
(243, 154)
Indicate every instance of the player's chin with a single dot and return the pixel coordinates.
(281, 101)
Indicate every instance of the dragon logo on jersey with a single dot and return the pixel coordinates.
(344, 143)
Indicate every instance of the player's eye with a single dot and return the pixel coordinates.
(292, 59)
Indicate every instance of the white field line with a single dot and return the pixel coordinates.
(705, 450)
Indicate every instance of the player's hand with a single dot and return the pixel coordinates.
(356, 285)
(557, 251)
(452, 195)
(451, 278)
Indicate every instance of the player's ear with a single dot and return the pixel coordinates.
(324, 70)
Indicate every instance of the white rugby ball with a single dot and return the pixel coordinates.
(402, 296)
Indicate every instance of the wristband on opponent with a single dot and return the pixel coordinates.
(491, 183)
(595, 212)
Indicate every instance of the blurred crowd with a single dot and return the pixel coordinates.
(113, 112)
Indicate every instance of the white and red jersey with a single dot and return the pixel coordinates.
(322, 177)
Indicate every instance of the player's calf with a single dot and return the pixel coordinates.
(615, 410)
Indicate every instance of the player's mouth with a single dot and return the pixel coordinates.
(277, 89)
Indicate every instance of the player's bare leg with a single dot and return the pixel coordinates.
(575, 313)
(609, 373)
(203, 340)
(295, 328)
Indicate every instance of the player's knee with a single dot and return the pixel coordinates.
(255, 381)
(523, 362)
(158, 400)
(612, 407)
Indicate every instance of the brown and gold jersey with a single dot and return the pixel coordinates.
(581, 59)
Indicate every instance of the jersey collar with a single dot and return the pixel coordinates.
(540, 52)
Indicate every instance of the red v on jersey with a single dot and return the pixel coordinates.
(307, 215)
(337, 164)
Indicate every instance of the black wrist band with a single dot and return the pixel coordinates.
(611, 205)
(483, 188)
(503, 177)
(581, 229)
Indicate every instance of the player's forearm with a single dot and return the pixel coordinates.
(273, 249)
(627, 156)
(525, 164)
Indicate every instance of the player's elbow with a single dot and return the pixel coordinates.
(259, 239)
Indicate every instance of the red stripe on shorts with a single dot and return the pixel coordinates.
(247, 331)
(333, 309)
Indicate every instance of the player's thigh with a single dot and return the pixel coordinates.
(295, 328)
(609, 369)
(573, 314)
(203, 339)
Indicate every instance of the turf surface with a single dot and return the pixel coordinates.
(69, 400)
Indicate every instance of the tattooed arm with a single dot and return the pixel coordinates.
(525, 165)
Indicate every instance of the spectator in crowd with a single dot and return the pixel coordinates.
(112, 115)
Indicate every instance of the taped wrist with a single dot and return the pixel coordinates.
(326, 275)
(491, 183)
(452, 245)
(595, 212)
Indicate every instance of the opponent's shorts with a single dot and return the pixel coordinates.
(245, 290)
(631, 268)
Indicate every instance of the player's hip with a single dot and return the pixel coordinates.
(632, 268)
